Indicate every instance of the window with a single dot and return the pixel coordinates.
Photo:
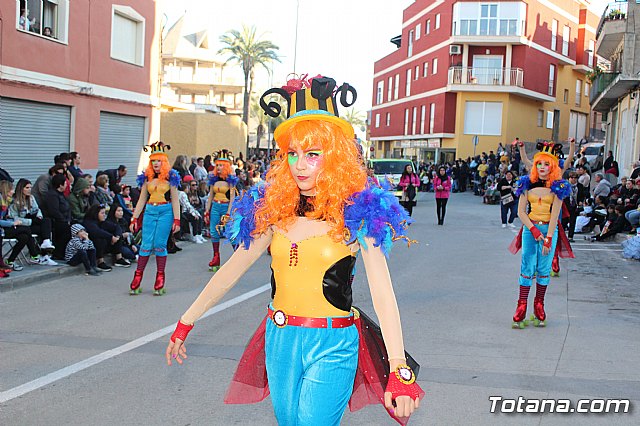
(483, 118)
(379, 92)
(587, 88)
(578, 92)
(540, 117)
(407, 89)
(565, 98)
(549, 120)
(388, 119)
(377, 120)
(406, 121)
(127, 35)
(418, 30)
(552, 78)
(432, 116)
(413, 122)
(437, 21)
(389, 84)
(434, 68)
(48, 18)
(410, 44)
(427, 27)
(566, 33)
(488, 19)
(592, 48)
(417, 72)
(396, 88)
(425, 69)
(423, 113)
(554, 35)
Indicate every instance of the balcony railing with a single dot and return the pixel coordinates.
(601, 82)
(614, 11)
(487, 76)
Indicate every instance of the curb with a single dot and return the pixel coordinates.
(36, 277)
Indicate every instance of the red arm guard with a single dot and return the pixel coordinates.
(547, 242)
(182, 330)
(535, 232)
(402, 382)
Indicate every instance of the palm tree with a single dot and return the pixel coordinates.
(246, 49)
(355, 118)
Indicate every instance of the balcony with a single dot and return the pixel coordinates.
(611, 29)
(486, 76)
(478, 23)
(608, 87)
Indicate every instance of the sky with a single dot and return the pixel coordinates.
(337, 38)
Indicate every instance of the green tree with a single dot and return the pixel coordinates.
(355, 118)
(246, 49)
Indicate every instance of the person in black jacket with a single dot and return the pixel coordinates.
(508, 205)
(115, 176)
(57, 208)
(104, 237)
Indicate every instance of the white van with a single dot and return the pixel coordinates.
(594, 152)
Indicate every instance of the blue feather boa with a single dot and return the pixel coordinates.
(522, 184)
(373, 213)
(141, 179)
(174, 179)
(561, 188)
(231, 180)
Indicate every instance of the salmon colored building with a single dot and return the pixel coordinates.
(468, 75)
(77, 76)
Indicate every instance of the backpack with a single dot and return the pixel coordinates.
(411, 192)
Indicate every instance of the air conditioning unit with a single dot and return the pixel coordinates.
(455, 49)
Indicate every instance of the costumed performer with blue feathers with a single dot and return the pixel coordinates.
(313, 351)
(541, 194)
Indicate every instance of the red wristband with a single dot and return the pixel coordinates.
(402, 382)
(176, 223)
(182, 330)
(547, 242)
(535, 232)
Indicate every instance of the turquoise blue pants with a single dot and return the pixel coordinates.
(534, 263)
(217, 211)
(156, 226)
(310, 373)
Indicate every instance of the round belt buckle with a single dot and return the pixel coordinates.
(279, 318)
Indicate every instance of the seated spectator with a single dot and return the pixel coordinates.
(103, 235)
(57, 208)
(188, 214)
(602, 188)
(79, 200)
(200, 173)
(633, 217)
(115, 176)
(74, 167)
(122, 197)
(102, 191)
(491, 192)
(599, 215)
(43, 183)
(80, 249)
(195, 199)
(15, 229)
(25, 207)
(626, 192)
(615, 224)
(116, 216)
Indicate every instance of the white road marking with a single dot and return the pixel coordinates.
(13, 393)
(596, 249)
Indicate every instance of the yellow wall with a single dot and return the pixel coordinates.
(566, 79)
(199, 134)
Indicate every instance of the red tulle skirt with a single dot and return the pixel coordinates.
(250, 385)
(563, 247)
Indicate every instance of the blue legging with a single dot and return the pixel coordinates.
(156, 226)
(534, 264)
(310, 373)
(217, 211)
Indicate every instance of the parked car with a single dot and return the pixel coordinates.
(594, 152)
(390, 169)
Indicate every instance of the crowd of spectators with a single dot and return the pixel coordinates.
(71, 216)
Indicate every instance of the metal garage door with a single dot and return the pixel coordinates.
(31, 134)
(121, 142)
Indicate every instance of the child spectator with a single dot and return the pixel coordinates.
(80, 249)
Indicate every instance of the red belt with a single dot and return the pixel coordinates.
(220, 202)
(159, 204)
(539, 222)
(280, 319)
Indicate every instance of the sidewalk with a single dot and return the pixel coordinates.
(35, 274)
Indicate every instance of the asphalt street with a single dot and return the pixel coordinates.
(81, 351)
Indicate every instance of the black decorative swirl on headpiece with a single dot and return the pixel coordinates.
(550, 148)
(155, 147)
(322, 87)
(345, 89)
(273, 108)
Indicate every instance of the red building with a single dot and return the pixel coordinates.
(496, 70)
(77, 76)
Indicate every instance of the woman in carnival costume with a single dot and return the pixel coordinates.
(564, 164)
(541, 194)
(313, 352)
(222, 191)
(159, 199)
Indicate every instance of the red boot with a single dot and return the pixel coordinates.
(538, 311)
(135, 284)
(555, 266)
(214, 265)
(158, 287)
(521, 312)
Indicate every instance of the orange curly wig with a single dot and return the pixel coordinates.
(555, 172)
(226, 170)
(165, 168)
(342, 175)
